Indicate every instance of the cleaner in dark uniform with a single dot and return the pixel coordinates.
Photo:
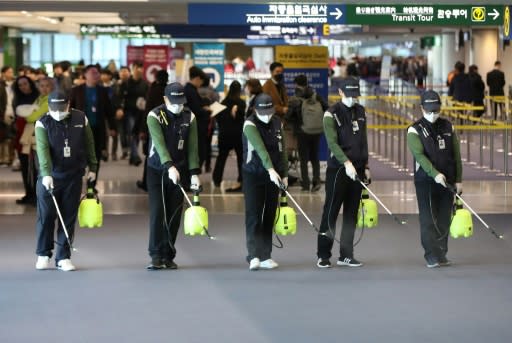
(65, 147)
(345, 131)
(265, 169)
(436, 150)
(173, 155)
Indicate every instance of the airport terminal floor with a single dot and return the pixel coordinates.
(214, 297)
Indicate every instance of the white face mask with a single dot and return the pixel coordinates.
(265, 119)
(431, 116)
(174, 108)
(348, 101)
(58, 115)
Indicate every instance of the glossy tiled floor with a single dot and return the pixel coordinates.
(120, 195)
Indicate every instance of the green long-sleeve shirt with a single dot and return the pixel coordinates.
(42, 108)
(156, 130)
(417, 150)
(43, 149)
(254, 138)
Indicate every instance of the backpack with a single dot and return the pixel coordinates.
(312, 116)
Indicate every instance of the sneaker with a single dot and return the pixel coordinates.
(268, 264)
(254, 264)
(43, 262)
(169, 264)
(316, 188)
(65, 265)
(156, 264)
(444, 262)
(347, 261)
(323, 263)
(432, 263)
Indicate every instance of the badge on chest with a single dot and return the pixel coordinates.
(67, 149)
(355, 126)
(441, 142)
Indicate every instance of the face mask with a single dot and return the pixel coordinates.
(431, 116)
(174, 108)
(279, 78)
(265, 119)
(349, 101)
(58, 115)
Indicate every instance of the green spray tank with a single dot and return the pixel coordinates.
(90, 211)
(368, 214)
(462, 222)
(196, 218)
(286, 218)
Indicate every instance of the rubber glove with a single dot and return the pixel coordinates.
(285, 181)
(47, 182)
(274, 177)
(174, 175)
(367, 176)
(458, 186)
(350, 170)
(195, 183)
(440, 179)
(91, 176)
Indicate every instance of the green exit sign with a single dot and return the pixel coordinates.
(445, 15)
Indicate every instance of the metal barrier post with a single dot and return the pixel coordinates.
(481, 157)
(491, 150)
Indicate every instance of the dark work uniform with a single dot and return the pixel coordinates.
(436, 150)
(173, 142)
(345, 130)
(67, 172)
(264, 148)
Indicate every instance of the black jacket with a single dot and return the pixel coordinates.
(477, 88)
(460, 88)
(231, 128)
(195, 103)
(496, 82)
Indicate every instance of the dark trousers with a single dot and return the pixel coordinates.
(28, 174)
(225, 146)
(67, 193)
(435, 204)
(260, 196)
(339, 190)
(495, 106)
(161, 238)
(308, 146)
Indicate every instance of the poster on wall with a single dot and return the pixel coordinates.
(134, 53)
(156, 57)
(210, 58)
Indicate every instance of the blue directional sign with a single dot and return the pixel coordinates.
(270, 14)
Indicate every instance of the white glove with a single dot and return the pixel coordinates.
(350, 170)
(47, 182)
(274, 177)
(285, 181)
(368, 176)
(195, 183)
(440, 179)
(91, 176)
(458, 186)
(140, 103)
(174, 175)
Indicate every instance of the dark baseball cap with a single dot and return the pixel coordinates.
(175, 92)
(58, 101)
(350, 87)
(263, 104)
(430, 101)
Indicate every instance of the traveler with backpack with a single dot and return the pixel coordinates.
(305, 114)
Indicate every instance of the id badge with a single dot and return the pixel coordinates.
(180, 144)
(67, 151)
(442, 145)
(355, 126)
(280, 147)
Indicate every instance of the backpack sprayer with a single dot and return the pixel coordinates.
(90, 212)
(286, 218)
(461, 225)
(61, 219)
(196, 216)
(367, 215)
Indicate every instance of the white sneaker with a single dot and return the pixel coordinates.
(66, 265)
(43, 262)
(268, 264)
(254, 264)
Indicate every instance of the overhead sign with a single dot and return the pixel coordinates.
(269, 14)
(450, 15)
(320, 14)
(507, 23)
(210, 58)
(156, 57)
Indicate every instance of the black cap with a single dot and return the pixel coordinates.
(430, 101)
(350, 87)
(58, 101)
(175, 92)
(263, 104)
